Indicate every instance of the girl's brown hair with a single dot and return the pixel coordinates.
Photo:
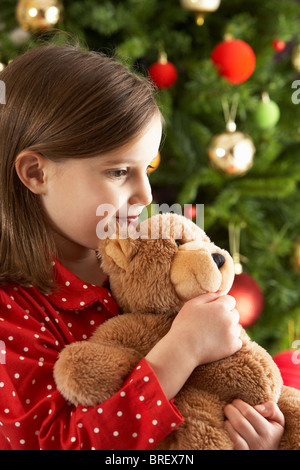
(62, 102)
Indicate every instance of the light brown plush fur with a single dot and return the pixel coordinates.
(151, 277)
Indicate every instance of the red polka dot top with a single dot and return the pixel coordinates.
(33, 414)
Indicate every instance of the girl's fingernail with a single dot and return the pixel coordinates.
(260, 408)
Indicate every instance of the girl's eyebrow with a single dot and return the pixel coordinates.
(119, 161)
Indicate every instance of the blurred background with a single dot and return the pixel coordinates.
(228, 84)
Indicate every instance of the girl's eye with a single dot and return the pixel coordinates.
(118, 174)
(178, 242)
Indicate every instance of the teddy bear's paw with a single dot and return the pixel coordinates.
(289, 404)
(88, 374)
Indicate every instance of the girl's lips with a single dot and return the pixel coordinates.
(128, 220)
(133, 220)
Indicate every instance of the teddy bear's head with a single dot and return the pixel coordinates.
(162, 263)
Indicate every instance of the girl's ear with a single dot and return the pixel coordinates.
(30, 168)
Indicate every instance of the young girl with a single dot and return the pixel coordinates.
(78, 130)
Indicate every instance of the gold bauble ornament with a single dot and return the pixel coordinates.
(296, 57)
(231, 152)
(38, 15)
(200, 7)
(295, 258)
(154, 164)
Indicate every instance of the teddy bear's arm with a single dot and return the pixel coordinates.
(87, 373)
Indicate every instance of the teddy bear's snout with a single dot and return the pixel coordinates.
(218, 259)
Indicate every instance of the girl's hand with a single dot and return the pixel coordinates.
(208, 328)
(254, 428)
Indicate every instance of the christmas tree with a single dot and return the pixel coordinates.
(258, 200)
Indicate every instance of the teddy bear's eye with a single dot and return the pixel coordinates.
(178, 242)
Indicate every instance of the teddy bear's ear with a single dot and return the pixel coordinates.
(120, 251)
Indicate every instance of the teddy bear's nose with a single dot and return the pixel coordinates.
(218, 259)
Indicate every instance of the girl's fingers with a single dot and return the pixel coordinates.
(260, 427)
(228, 301)
(271, 411)
(241, 418)
(238, 442)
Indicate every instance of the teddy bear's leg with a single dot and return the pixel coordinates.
(203, 427)
(87, 373)
(250, 374)
(289, 404)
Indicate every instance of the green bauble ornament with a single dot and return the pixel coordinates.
(267, 113)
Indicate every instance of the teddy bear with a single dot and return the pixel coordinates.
(153, 271)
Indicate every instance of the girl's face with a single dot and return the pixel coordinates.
(84, 194)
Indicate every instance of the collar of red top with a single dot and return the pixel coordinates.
(74, 294)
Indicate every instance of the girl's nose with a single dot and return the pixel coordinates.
(142, 193)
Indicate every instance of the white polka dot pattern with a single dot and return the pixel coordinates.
(33, 414)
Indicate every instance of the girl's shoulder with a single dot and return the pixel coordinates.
(19, 300)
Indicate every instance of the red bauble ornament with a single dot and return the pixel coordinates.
(190, 211)
(163, 73)
(235, 60)
(288, 363)
(249, 299)
(278, 45)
